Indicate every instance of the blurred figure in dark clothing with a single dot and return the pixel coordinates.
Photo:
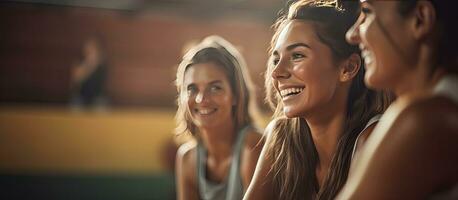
(88, 78)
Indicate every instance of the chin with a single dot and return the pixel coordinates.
(290, 113)
(373, 82)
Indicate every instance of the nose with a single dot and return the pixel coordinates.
(353, 35)
(280, 71)
(201, 97)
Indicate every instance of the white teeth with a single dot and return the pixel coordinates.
(205, 111)
(367, 56)
(288, 91)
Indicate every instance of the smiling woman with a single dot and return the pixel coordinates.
(411, 49)
(314, 82)
(216, 106)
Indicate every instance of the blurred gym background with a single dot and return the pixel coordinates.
(54, 144)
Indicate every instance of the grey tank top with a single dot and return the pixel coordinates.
(231, 188)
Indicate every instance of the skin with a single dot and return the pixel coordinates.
(302, 60)
(412, 152)
(92, 58)
(208, 90)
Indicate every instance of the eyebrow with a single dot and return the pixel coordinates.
(214, 82)
(300, 44)
(211, 83)
(295, 45)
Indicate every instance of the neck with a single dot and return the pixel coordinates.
(417, 81)
(325, 135)
(420, 78)
(326, 128)
(218, 141)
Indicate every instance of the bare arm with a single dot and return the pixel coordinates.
(411, 157)
(186, 172)
(261, 186)
(252, 148)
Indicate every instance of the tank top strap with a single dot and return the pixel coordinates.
(371, 121)
(234, 181)
(231, 188)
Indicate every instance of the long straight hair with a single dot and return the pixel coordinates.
(214, 49)
(292, 149)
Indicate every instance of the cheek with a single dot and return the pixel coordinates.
(366, 29)
(189, 101)
(223, 99)
(320, 85)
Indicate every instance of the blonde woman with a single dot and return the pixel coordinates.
(216, 106)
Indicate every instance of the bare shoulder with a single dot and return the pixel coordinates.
(431, 116)
(269, 131)
(187, 150)
(412, 156)
(186, 176)
(252, 147)
(428, 127)
(261, 186)
(186, 159)
(253, 139)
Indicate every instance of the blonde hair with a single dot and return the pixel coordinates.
(216, 50)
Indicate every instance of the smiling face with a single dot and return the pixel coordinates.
(385, 41)
(209, 95)
(305, 74)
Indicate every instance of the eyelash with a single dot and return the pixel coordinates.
(294, 56)
(297, 55)
(213, 88)
(192, 90)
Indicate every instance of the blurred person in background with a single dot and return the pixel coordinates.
(410, 48)
(88, 78)
(323, 110)
(216, 105)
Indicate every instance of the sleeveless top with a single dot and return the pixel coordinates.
(371, 121)
(229, 189)
(448, 87)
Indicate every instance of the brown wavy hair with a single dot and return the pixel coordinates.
(291, 148)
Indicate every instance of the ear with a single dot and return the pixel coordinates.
(424, 19)
(350, 68)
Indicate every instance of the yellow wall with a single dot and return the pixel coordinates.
(59, 140)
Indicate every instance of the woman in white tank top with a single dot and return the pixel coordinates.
(410, 48)
(314, 82)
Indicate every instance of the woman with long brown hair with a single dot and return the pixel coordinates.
(216, 106)
(314, 82)
(410, 48)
